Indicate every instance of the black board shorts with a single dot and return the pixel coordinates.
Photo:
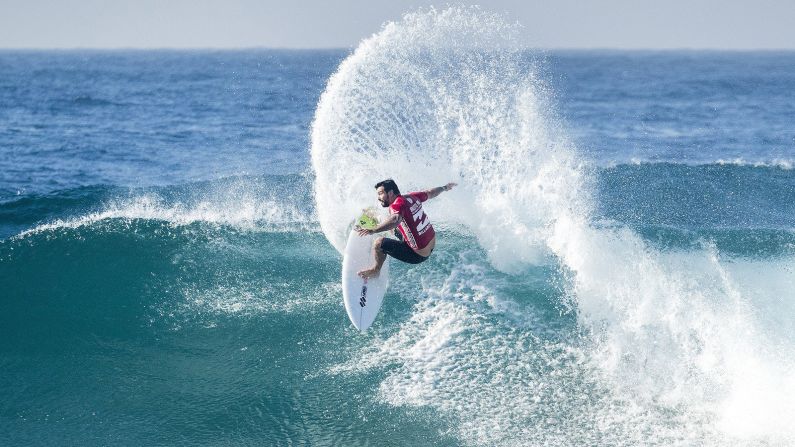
(401, 251)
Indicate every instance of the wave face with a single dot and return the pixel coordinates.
(679, 344)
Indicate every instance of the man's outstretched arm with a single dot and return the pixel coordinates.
(433, 192)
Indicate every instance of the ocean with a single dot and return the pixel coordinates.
(615, 267)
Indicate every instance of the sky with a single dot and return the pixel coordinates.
(621, 24)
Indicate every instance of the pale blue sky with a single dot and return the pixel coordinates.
(733, 24)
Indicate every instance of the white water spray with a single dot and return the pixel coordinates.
(444, 96)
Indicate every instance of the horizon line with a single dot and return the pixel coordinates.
(351, 48)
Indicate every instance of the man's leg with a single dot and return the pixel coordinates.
(379, 256)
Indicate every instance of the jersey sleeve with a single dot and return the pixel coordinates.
(396, 206)
(419, 195)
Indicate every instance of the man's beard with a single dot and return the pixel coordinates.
(383, 203)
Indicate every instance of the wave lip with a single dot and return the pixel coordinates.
(263, 216)
(244, 204)
(785, 164)
(781, 163)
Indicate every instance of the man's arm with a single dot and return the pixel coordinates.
(390, 223)
(433, 192)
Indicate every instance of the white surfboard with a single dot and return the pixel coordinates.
(362, 297)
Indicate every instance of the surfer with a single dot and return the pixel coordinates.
(417, 237)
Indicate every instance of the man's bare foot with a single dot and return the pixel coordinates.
(369, 273)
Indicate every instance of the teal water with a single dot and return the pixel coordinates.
(615, 268)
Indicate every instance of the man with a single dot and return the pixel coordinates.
(406, 214)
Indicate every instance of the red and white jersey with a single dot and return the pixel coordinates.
(415, 226)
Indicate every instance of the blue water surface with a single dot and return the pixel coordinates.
(143, 302)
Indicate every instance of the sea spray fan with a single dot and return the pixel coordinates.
(446, 95)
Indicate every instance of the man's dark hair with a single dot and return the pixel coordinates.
(389, 185)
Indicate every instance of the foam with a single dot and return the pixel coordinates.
(243, 299)
(776, 163)
(781, 163)
(501, 384)
(678, 328)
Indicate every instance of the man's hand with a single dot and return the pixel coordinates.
(433, 192)
(391, 222)
(363, 231)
